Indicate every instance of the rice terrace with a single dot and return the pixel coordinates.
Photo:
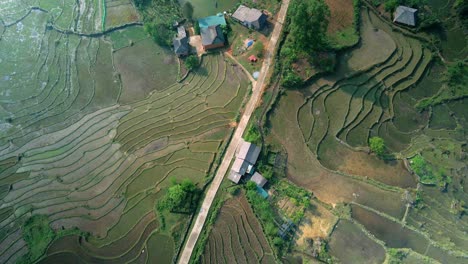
(233, 131)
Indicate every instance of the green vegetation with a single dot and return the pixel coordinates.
(308, 26)
(396, 256)
(266, 214)
(180, 197)
(253, 134)
(391, 5)
(456, 80)
(159, 16)
(377, 145)
(257, 49)
(192, 62)
(38, 235)
(427, 173)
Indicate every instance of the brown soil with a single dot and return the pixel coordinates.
(317, 222)
(341, 14)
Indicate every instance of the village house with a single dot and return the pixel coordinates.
(181, 42)
(211, 31)
(259, 179)
(405, 15)
(246, 158)
(250, 17)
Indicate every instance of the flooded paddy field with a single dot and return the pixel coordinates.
(93, 127)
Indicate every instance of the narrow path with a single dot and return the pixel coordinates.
(251, 78)
(236, 139)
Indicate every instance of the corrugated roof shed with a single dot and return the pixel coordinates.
(234, 177)
(211, 21)
(405, 15)
(258, 179)
(240, 166)
(247, 14)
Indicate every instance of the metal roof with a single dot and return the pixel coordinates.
(246, 14)
(258, 179)
(248, 152)
(212, 35)
(405, 15)
(234, 177)
(212, 21)
(181, 45)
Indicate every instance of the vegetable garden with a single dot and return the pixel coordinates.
(84, 149)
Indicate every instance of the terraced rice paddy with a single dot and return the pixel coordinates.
(87, 145)
(325, 129)
(237, 236)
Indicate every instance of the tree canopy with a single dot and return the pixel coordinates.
(179, 197)
(191, 62)
(187, 10)
(377, 145)
(309, 23)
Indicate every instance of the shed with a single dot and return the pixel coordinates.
(240, 166)
(234, 177)
(212, 37)
(258, 179)
(405, 15)
(250, 17)
(209, 21)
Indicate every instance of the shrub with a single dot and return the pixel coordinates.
(252, 135)
(161, 33)
(292, 80)
(38, 235)
(192, 62)
(196, 28)
(377, 145)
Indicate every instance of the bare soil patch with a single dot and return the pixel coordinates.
(341, 15)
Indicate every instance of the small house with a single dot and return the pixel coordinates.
(212, 37)
(258, 179)
(405, 15)
(246, 157)
(252, 58)
(250, 17)
(181, 42)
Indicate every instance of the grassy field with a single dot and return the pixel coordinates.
(95, 128)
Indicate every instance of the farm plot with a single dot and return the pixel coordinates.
(237, 236)
(71, 150)
(119, 12)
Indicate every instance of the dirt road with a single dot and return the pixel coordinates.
(250, 107)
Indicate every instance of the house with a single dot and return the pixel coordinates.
(258, 179)
(250, 17)
(405, 15)
(246, 157)
(212, 37)
(181, 42)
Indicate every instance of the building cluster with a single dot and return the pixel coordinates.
(244, 164)
(211, 29)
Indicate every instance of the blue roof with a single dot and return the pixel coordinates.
(262, 192)
(212, 21)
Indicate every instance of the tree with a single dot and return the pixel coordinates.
(309, 23)
(187, 10)
(191, 62)
(377, 145)
(179, 197)
(292, 80)
(160, 33)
